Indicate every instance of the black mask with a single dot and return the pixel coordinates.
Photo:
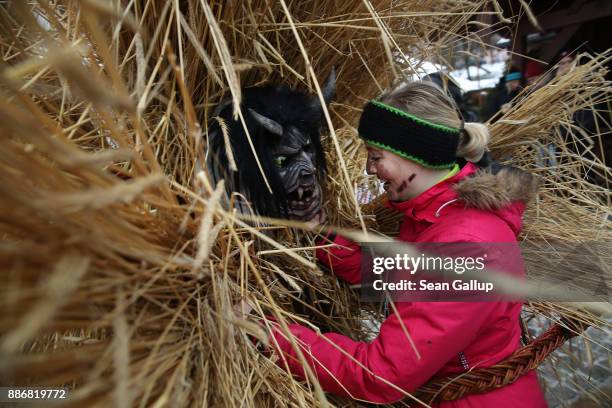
(284, 126)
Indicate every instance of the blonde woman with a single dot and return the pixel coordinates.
(429, 162)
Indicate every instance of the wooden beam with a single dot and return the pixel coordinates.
(584, 12)
(558, 43)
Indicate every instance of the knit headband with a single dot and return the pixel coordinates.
(413, 138)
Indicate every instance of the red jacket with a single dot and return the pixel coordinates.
(450, 337)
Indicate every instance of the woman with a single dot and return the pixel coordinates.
(425, 155)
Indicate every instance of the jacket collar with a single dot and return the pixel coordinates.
(426, 205)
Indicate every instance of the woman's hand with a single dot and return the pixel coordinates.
(257, 332)
(242, 309)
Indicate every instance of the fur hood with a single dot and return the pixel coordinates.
(500, 190)
(496, 186)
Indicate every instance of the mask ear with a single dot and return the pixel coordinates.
(329, 88)
(268, 124)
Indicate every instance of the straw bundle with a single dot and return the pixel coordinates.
(121, 267)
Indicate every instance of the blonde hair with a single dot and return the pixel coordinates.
(426, 100)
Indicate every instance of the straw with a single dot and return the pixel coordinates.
(120, 264)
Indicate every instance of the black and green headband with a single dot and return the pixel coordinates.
(409, 136)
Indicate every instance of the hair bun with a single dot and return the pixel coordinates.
(474, 142)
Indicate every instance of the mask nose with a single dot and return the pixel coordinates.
(307, 177)
(307, 170)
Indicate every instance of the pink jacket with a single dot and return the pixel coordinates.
(450, 337)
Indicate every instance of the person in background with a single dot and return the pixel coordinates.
(533, 72)
(565, 63)
(513, 87)
(594, 140)
(508, 88)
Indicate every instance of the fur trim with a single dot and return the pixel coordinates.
(488, 189)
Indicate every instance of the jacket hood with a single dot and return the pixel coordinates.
(502, 190)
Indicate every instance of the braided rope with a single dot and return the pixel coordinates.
(506, 372)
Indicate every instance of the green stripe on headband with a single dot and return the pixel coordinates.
(409, 157)
(414, 118)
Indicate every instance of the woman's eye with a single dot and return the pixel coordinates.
(280, 160)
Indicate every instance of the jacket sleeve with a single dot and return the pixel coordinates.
(366, 371)
(344, 258)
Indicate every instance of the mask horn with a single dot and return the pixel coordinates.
(270, 125)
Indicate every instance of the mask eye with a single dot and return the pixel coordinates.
(280, 161)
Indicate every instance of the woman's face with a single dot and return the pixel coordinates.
(400, 176)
